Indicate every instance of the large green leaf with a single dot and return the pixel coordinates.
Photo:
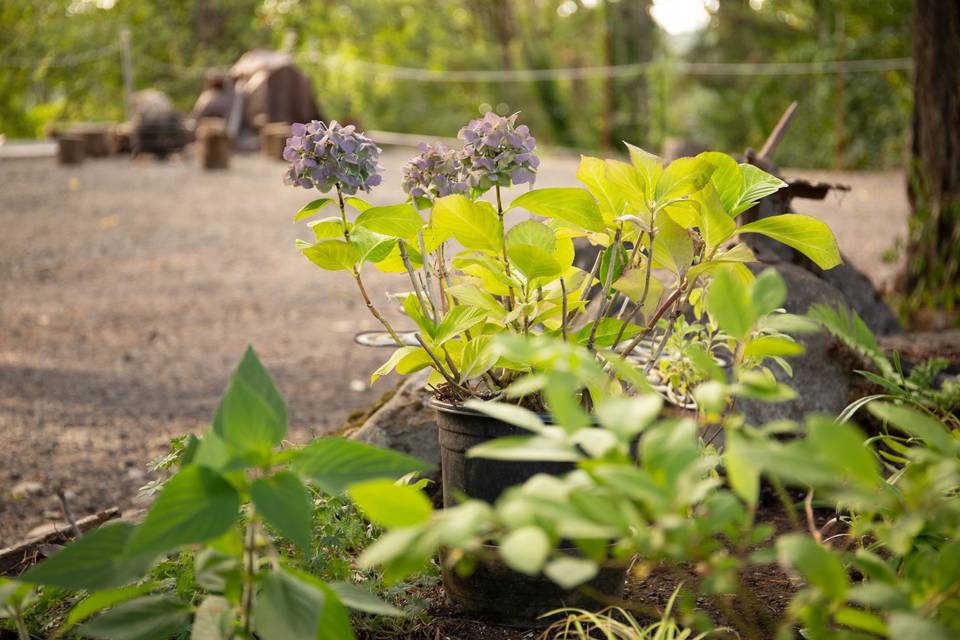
(715, 225)
(842, 446)
(729, 304)
(326, 228)
(727, 178)
(252, 415)
(743, 475)
(649, 168)
(95, 561)
(459, 319)
(396, 221)
(820, 567)
(919, 425)
(195, 505)
(569, 572)
(149, 618)
(287, 608)
(757, 184)
(391, 505)
(360, 599)
(807, 235)
(592, 172)
(572, 205)
(284, 502)
(311, 208)
(536, 265)
(769, 292)
(336, 463)
(391, 363)
(509, 413)
(525, 549)
(371, 246)
(682, 177)
(473, 226)
(100, 600)
(533, 233)
(214, 620)
(478, 357)
(332, 255)
(672, 246)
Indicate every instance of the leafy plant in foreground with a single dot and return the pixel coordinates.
(232, 488)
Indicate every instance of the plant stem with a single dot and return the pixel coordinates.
(653, 321)
(426, 272)
(503, 241)
(413, 280)
(439, 367)
(356, 276)
(663, 343)
(249, 586)
(23, 633)
(606, 289)
(563, 305)
(643, 296)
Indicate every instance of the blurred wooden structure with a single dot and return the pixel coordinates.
(70, 149)
(273, 138)
(213, 144)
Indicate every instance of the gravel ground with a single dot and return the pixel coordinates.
(129, 289)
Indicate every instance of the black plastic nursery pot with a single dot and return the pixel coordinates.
(498, 594)
(460, 429)
(493, 590)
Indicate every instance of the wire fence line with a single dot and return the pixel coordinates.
(418, 74)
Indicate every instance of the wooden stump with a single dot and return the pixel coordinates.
(70, 149)
(273, 138)
(213, 143)
(97, 139)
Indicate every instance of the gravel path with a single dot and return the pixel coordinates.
(128, 291)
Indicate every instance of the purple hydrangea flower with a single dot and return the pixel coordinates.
(436, 172)
(498, 152)
(322, 156)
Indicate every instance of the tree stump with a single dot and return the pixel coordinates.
(70, 149)
(213, 143)
(97, 140)
(273, 138)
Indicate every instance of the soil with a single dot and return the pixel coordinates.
(129, 290)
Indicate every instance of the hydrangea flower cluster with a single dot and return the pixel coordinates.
(436, 172)
(498, 152)
(322, 156)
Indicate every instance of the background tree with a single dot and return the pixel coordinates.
(933, 276)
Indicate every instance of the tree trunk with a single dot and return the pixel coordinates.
(933, 277)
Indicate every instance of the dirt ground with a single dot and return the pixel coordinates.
(129, 289)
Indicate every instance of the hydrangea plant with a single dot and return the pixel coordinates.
(662, 232)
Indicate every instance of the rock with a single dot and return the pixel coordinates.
(822, 375)
(26, 489)
(405, 422)
(862, 298)
(925, 345)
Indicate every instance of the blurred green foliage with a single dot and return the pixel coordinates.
(46, 76)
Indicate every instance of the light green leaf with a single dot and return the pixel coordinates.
(525, 549)
(728, 302)
(284, 502)
(149, 618)
(592, 172)
(672, 247)
(95, 561)
(396, 221)
(392, 362)
(918, 425)
(100, 600)
(570, 572)
(214, 620)
(371, 246)
(715, 225)
(473, 226)
(742, 474)
(474, 296)
(333, 255)
(391, 505)
(903, 625)
(478, 357)
(509, 413)
(633, 283)
(327, 228)
(572, 205)
(536, 265)
(533, 233)
(649, 168)
(311, 208)
(682, 177)
(807, 235)
(358, 204)
(631, 187)
(757, 184)
(526, 448)
(459, 319)
(820, 567)
(195, 505)
(769, 292)
(772, 346)
(335, 463)
(727, 178)
(843, 446)
(360, 599)
(629, 416)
